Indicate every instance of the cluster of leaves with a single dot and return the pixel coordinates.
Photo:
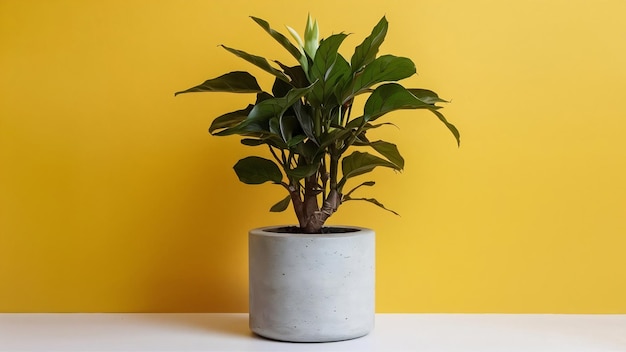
(306, 121)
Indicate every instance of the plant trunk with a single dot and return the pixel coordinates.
(316, 219)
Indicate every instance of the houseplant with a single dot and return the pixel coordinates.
(311, 132)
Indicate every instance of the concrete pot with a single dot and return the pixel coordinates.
(312, 288)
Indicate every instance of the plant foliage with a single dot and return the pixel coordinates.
(307, 121)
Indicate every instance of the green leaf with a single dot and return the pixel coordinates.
(258, 61)
(309, 150)
(281, 39)
(281, 206)
(366, 51)
(303, 113)
(296, 73)
(275, 107)
(359, 163)
(280, 88)
(450, 126)
(383, 69)
(296, 140)
(427, 96)
(366, 183)
(254, 170)
(233, 82)
(230, 119)
(259, 120)
(326, 55)
(252, 142)
(389, 151)
(328, 67)
(302, 171)
(389, 97)
(289, 127)
(373, 201)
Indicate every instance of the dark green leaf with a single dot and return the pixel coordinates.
(326, 55)
(389, 97)
(282, 205)
(339, 134)
(289, 127)
(281, 39)
(253, 142)
(280, 88)
(233, 82)
(341, 76)
(326, 71)
(296, 140)
(450, 126)
(258, 61)
(297, 75)
(255, 170)
(309, 150)
(386, 68)
(262, 96)
(389, 151)
(373, 201)
(303, 113)
(275, 107)
(359, 163)
(366, 51)
(302, 171)
(230, 119)
(367, 183)
(427, 96)
(275, 127)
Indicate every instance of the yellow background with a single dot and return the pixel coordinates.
(113, 196)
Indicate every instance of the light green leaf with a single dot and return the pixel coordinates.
(255, 170)
(233, 82)
(281, 206)
(296, 36)
(311, 37)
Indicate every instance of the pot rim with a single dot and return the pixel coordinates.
(267, 231)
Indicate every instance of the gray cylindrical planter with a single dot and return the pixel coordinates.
(312, 288)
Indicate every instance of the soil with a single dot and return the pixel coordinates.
(296, 229)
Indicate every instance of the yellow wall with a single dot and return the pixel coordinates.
(113, 197)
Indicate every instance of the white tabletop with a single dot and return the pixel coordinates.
(393, 332)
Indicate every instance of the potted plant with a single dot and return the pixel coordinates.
(309, 282)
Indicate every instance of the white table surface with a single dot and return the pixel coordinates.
(393, 332)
